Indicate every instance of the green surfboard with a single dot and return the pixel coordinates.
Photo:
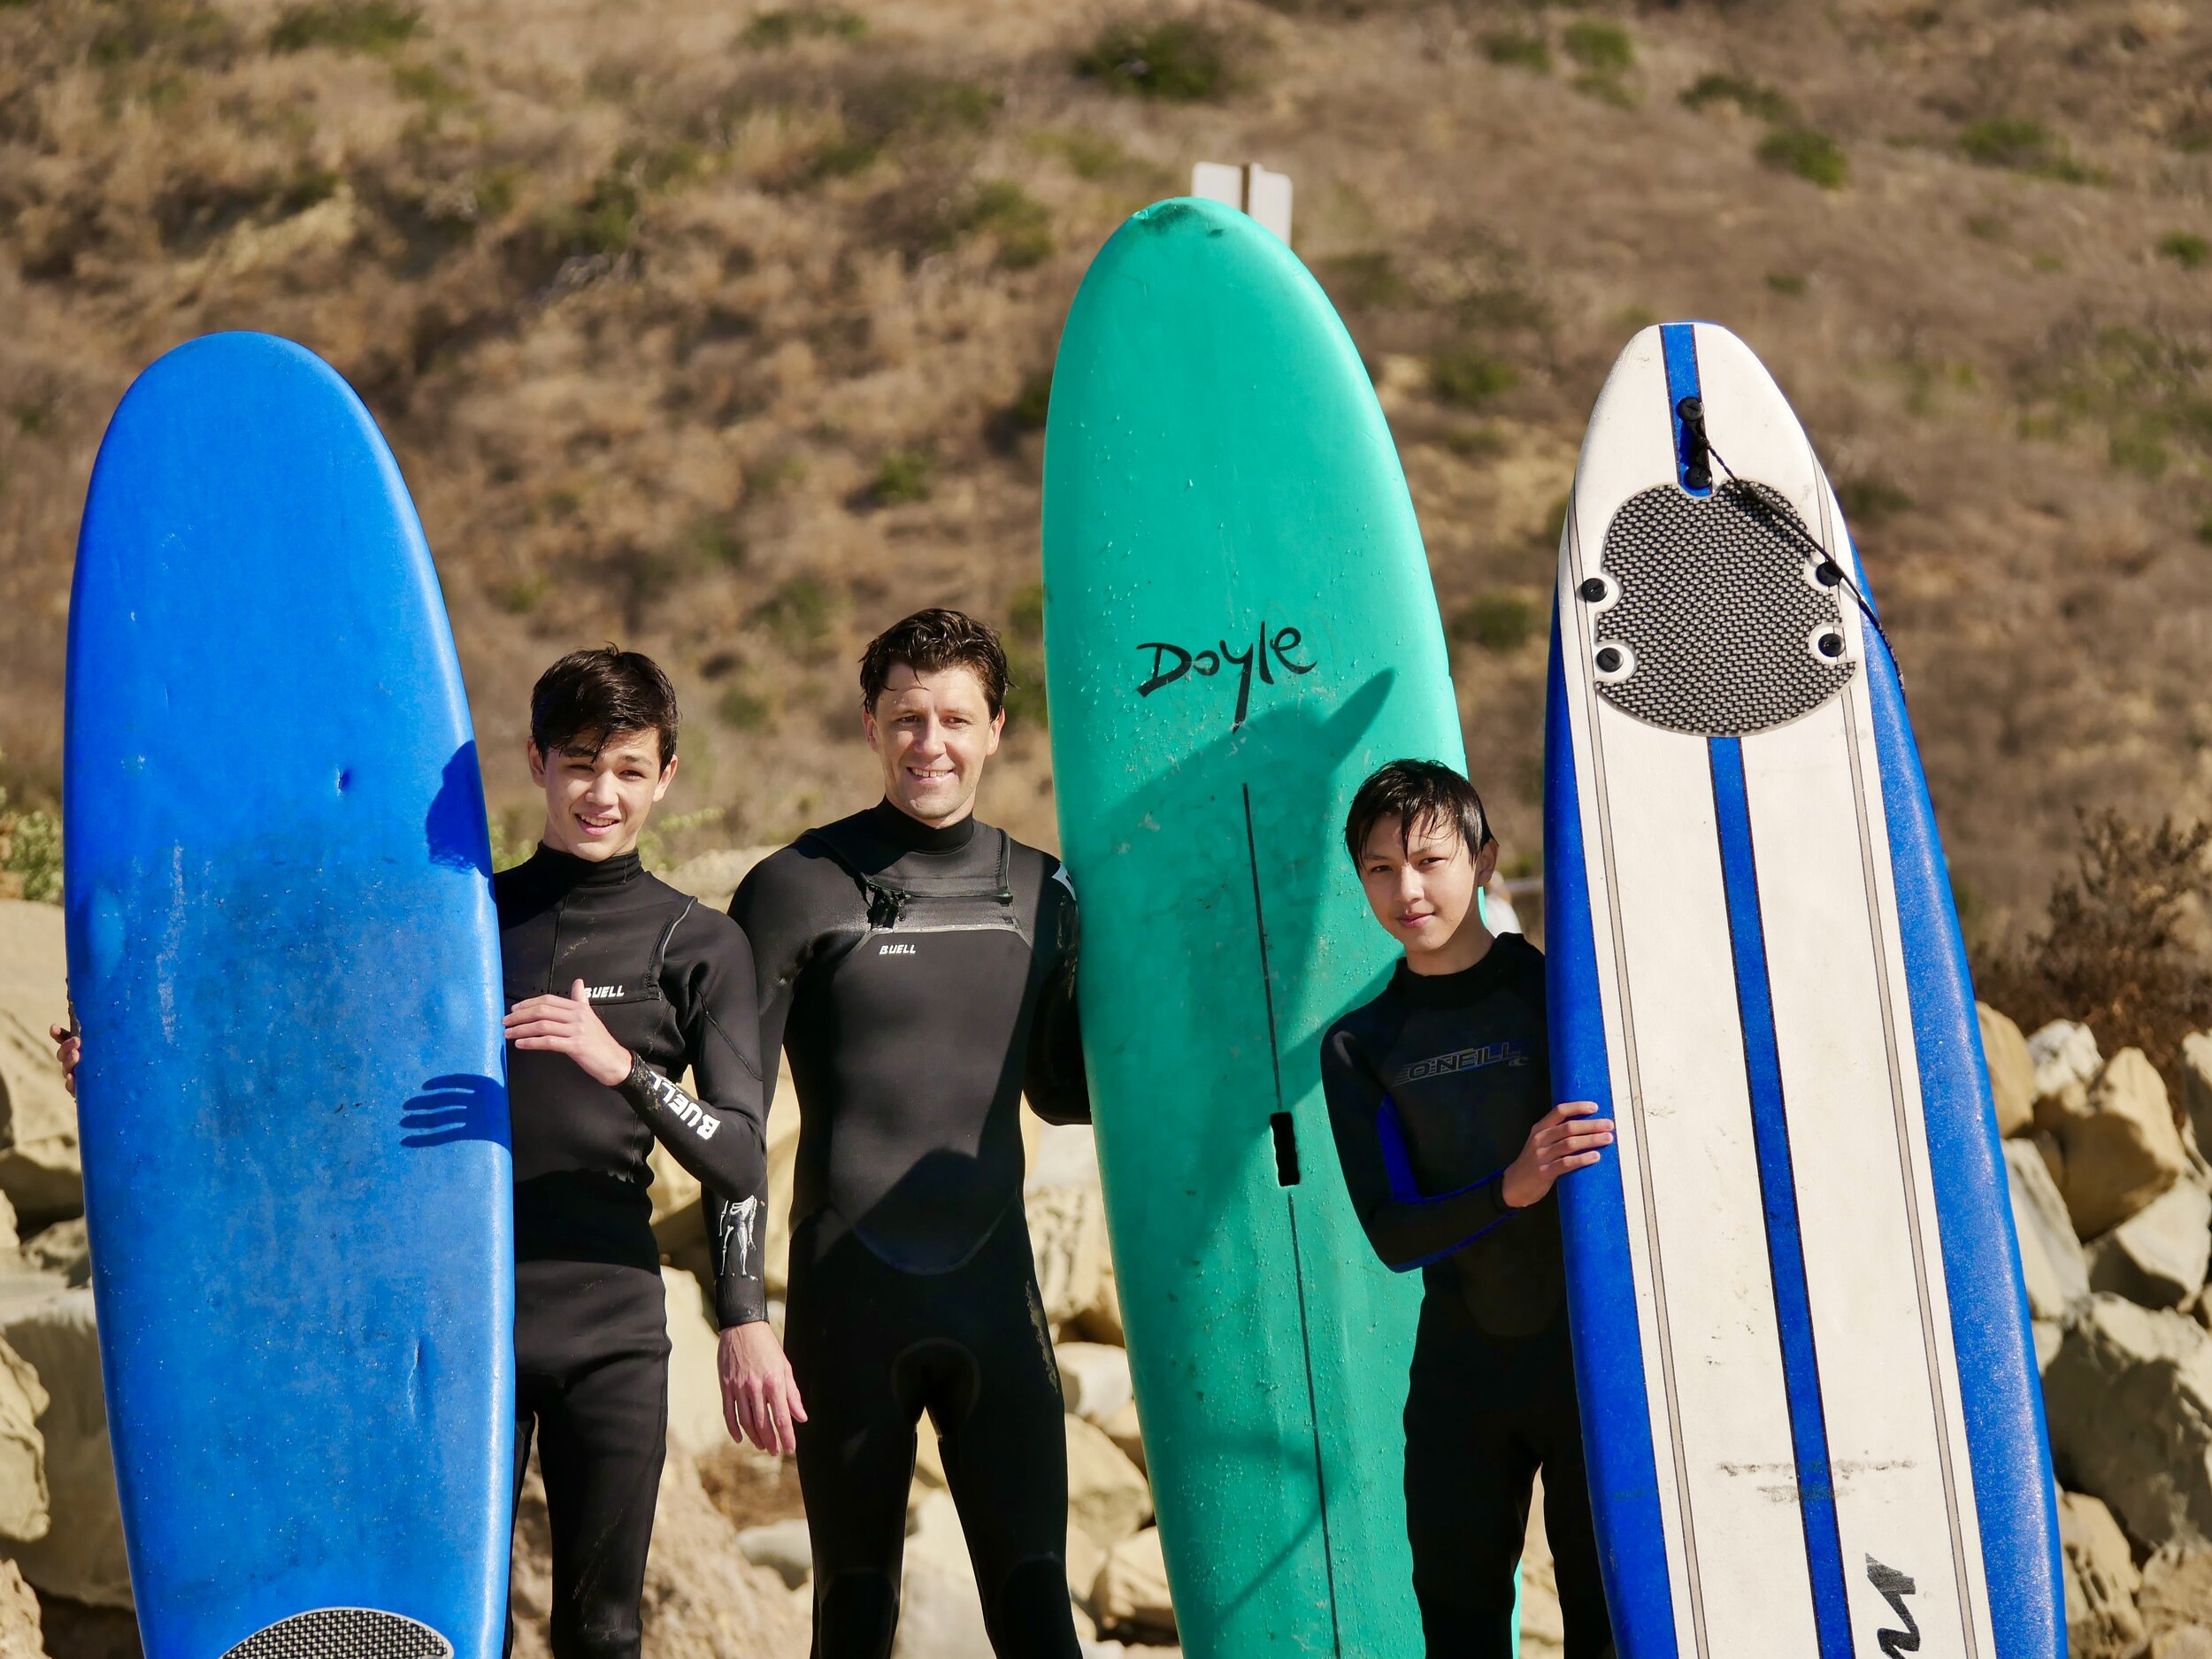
(1238, 627)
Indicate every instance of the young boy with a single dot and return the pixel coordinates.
(1440, 1096)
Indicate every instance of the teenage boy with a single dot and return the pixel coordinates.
(918, 968)
(1440, 1096)
(616, 984)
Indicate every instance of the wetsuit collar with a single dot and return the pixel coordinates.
(914, 836)
(567, 872)
(1457, 990)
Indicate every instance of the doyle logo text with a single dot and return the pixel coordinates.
(1265, 654)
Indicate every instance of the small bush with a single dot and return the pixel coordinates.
(2018, 144)
(1467, 376)
(1786, 283)
(1032, 403)
(716, 542)
(30, 855)
(653, 842)
(1812, 156)
(1753, 97)
(2186, 250)
(771, 29)
(606, 221)
(742, 711)
(1869, 499)
(345, 26)
(176, 31)
(1601, 48)
(1363, 281)
(1019, 223)
(797, 615)
(903, 477)
(1088, 155)
(1180, 60)
(1517, 49)
(1496, 622)
(1606, 89)
(2114, 953)
(2141, 450)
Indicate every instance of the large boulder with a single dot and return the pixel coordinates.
(2011, 1071)
(695, 1421)
(1064, 1154)
(2158, 1256)
(1094, 1380)
(40, 1169)
(25, 1512)
(21, 1636)
(940, 1610)
(1107, 1494)
(2051, 1259)
(1100, 1321)
(2066, 1061)
(1124, 1431)
(2101, 1621)
(1067, 1231)
(2120, 1148)
(2175, 1592)
(2196, 1083)
(81, 1555)
(1130, 1597)
(2128, 1400)
(1543, 1627)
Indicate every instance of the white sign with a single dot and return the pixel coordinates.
(1250, 189)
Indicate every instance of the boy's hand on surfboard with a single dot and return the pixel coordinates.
(1567, 1137)
(760, 1397)
(69, 1049)
(570, 1025)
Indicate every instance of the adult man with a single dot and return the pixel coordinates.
(616, 984)
(918, 968)
(1439, 1096)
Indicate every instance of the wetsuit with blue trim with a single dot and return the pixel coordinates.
(673, 982)
(922, 981)
(1432, 1089)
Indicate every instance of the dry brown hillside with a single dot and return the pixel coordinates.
(723, 330)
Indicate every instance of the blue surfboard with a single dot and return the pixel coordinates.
(1801, 1336)
(283, 952)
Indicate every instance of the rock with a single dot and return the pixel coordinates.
(81, 1555)
(2196, 1083)
(61, 1249)
(1066, 1155)
(2101, 1621)
(703, 1598)
(940, 1611)
(1107, 1494)
(2128, 1400)
(1094, 1380)
(2190, 1641)
(1100, 1321)
(1543, 1627)
(1123, 1429)
(2066, 1061)
(1067, 1230)
(2176, 1589)
(786, 1545)
(2121, 1150)
(25, 1511)
(20, 1634)
(39, 1167)
(694, 1386)
(2046, 1336)
(2011, 1071)
(1083, 1557)
(1132, 1595)
(2158, 1256)
(2051, 1261)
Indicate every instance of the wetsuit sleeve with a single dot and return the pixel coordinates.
(1052, 1076)
(721, 1136)
(1407, 1229)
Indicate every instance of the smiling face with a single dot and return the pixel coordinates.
(596, 802)
(933, 732)
(1421, 885)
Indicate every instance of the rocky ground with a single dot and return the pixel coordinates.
(2111, 1195)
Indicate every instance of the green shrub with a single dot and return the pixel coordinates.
(901, 478)
(1869, 499)
(1467, 376)
(1497, 622)
(742, 711)
(653, 842)
(1032, 403)
(1026, 614)
(1517, 49)
(2140, 449)
(345, 26)
(1812, 156)
(2018, 144)
(1753, 97)
(2186, 249)
(1019, 223)
(1180, 60)
(797, 615)
(1088, 155)
(717, 542)
(771, 29)
(1363, 281)
(1601, 48)
(1787, 283)
(30, 855)
(1606, 89)
(177, 31)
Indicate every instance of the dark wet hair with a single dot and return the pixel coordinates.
(588, 697)
(1416, 792)
(929, 641)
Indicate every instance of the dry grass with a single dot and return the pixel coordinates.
(725, 332)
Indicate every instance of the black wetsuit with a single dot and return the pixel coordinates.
(921, 981)
(674, 982)
(1433, 1088)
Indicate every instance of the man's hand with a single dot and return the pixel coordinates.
(570, 1025)
(1566, 1138)
(69, 1049)
(760, 1397)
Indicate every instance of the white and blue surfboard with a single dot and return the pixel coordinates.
(1801, 1338)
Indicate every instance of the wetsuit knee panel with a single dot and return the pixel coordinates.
(856, 1614)
(1029, 1616)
